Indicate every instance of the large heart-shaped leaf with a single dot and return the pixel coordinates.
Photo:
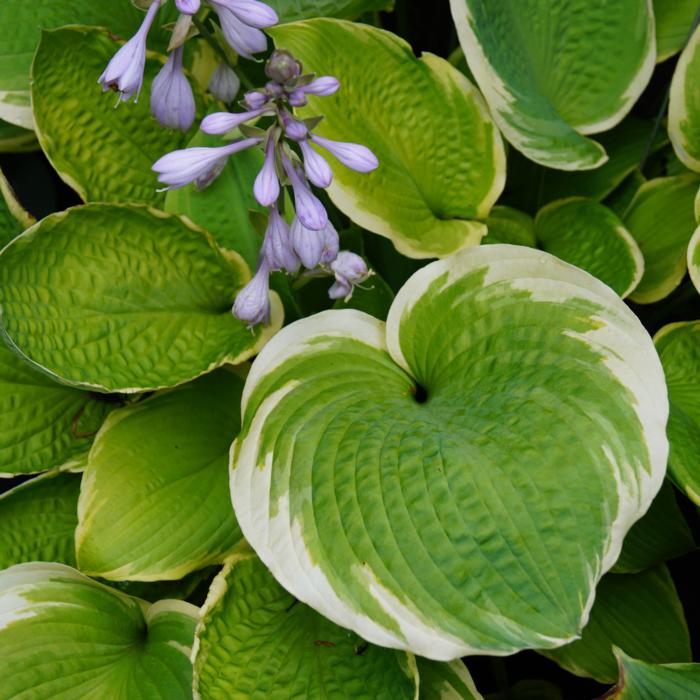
(678, 345)
(578, 69)
(639, 613)
(104, 154)
(45, 425)
(662, 221)
(255, 641)
(587, 234)
(37, 520)
(684, 105)
(154, 501)
(643, 681)
(442, 163)
(293, 10)
(674, 19)
(124, 299)
(458, 481)
(64, 635)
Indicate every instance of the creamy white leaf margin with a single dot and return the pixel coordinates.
(628, 353)
(694, 259)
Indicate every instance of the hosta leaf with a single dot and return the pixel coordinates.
(639, 613)
(45, 425)
(103, 153)
(587, 234)
(20, 29)
(444, 513)
(508, 225)
(674, 19)
(13, 218)
(63, 635)
(662, 534)
(621, 198)
(256, 640)
(678, 345)
(154, 502)
(577, 70)
(15, 139)
(152, 309)
(694, 258)
(684, 105)
(442, 163)
(293, 10)
(223, 207)
(625, 145)
(662, 221)
(37, 520)
(643, 681)
(446, 681)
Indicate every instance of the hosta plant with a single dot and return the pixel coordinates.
(349, 349)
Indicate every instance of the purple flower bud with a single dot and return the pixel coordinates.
(252, 305)
(349, 270)
(277, 246)
(255, 99)
(179, 168)
(309, 209)
(222, 122)
(124, 73)
(244, 39)
(297, 98)
(187, 7)
(340, 290)
(331, 244)
(307, 244)
(172, 99)
(350, 267)
(252, 12)
(295, 129)
(273, 89)
(324, 86)
(351, 155)
(267, 186)
(282, 66)
(224, 84)
(317, 169)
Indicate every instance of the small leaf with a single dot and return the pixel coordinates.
(441, 680)
(38, 519)
(589, 235)
(154, 503)
(640, 613)
(255, 640)
(152, 309)
(508, 225)
(643, 681)
(64, 635)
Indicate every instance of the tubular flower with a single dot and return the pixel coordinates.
(172, 99)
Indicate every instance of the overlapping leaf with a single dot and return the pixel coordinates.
(446, 681)
(678, 345)
(508, 225)
(124, 299)
(674, 19)
(639, 613)
(442, 164)
(577, 70)
(293, 10)
(64, 635)
(643, 681)
(154, 502)
(104, 154)
(443, 513)
(256, 640)
(587, 234)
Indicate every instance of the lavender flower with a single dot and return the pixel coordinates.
(172, 99)
(317, 169)
(324, 86)
(349, 270)
(223, 122)
(267, 186)
(310, 211)
(241, 21)
(331, 244)
(199, 165)
(307, 244)
(255, 99)
(277, 246)
(224, 84)
(351, 155)
(124, 73)
(187, 7)
(252, 305)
